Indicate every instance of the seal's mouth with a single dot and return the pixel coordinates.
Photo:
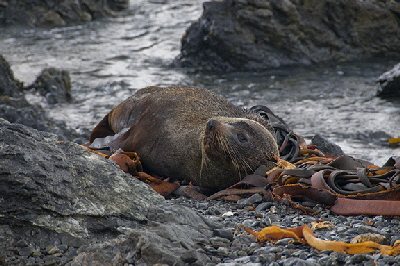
(210, 134)
(214, 138)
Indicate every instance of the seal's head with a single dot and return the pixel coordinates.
(243, 143)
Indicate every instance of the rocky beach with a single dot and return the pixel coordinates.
(64, 65)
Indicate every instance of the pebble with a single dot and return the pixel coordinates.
(224, 233)
(227, 248)
(223, 251)
(219, 242)
(190, 256)
(242, 248)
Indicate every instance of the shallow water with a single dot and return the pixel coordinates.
(108, 60)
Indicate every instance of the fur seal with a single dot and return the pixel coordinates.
(189, 133)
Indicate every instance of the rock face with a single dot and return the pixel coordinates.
(390, 83)
(56, 13)
(170, 238)
(260, 34)
(53, 184)
(8, 85)
(60, 203)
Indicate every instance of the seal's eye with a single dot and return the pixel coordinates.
(242, 138)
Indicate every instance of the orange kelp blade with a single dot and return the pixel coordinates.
(339, 246)
(162, 187)
(274, 233)
(304, 234)
(125, 163)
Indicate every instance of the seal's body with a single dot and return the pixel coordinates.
(188, 133)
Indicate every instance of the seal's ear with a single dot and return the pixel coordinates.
(102, 130)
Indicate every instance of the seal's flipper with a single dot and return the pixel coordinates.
(102, 130)
(108, 141)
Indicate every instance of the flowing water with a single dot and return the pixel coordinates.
(109, 60)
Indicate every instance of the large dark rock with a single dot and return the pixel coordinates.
(61, 204)
(54, 184)
(260, 34)
(390, 83)
(55, 193)
(55, 12)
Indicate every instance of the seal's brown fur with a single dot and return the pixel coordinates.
(190, 133)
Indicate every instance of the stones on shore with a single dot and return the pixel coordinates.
(243, 249)
(254, 35)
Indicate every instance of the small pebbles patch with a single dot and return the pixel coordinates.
(241, 249)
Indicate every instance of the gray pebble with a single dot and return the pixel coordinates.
(223, 251)
(190, 256)
(358, 258)
(219, 241)
(267, 258)
(25, 251)
(21, 243)
(224, 233)
(263, 206)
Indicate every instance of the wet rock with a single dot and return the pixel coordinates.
(16, 109)
(57, 13)
(254, 35)
(54, 84)
(390, 83)
(9, 86)
(326, 146)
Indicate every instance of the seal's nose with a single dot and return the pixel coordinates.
(211, 124)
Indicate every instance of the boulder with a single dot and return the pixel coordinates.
(261, 34)
(54, 84)
(61, 204)
(56, 193)
(389, 83)
(57, 13)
